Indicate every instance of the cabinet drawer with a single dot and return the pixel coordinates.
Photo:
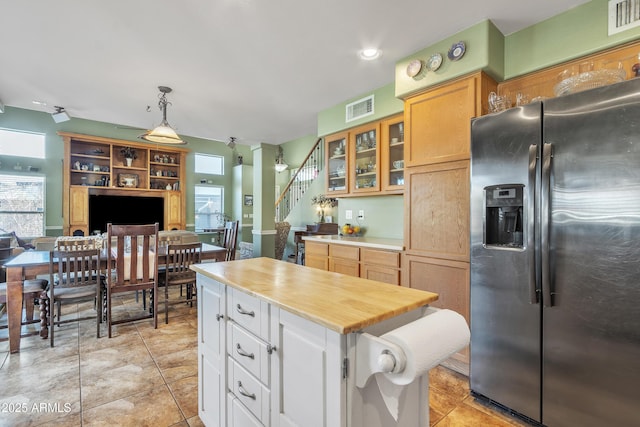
(314, 248)
(381, 274)
(239, 416)
(249, 312)
(373, 256)
(346, 252)
(253, 395)
(248, 351)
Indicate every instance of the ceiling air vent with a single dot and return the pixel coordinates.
(360, 108)
(623, 15)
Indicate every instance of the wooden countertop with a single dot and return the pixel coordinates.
(341, 303)
(366, 242)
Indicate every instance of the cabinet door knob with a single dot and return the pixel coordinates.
(219, 317)
(245, 392)
(243, 311)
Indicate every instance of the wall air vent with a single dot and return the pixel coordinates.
(360, 108)
(623, 15)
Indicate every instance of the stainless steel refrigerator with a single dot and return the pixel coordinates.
(555, 258)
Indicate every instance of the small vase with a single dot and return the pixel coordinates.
(322, 216)
(129, 161)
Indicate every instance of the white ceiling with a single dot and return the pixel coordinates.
(254, 69)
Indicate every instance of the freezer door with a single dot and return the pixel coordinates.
(591, 319)
(505, 315)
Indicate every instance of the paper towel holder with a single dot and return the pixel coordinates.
(374, 354)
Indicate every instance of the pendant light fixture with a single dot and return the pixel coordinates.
(164, 133)
(280, 164)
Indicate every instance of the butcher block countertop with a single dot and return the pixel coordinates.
(341, 303)
(366, 242)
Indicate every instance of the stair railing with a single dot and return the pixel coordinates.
(308, 171)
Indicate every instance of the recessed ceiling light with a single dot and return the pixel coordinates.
(40, 103)
(370, 54)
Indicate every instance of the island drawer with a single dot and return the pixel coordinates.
(253, 395)
(346, 252)
(378, 257)
(249, 351)
(249, 312)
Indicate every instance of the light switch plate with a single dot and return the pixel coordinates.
(348, 214)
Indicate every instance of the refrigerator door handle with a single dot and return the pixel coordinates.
(545, 194)
(533, 160)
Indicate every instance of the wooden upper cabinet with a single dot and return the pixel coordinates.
(364, 146)
(392, 154)
(336, 169)
(438, 122)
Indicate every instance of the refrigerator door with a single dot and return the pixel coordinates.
(591, 323)
(505, 316)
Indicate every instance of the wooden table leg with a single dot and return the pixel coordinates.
(14, 306)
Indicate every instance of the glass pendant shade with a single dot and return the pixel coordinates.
(163, 133)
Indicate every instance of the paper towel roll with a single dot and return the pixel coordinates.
(426, 342)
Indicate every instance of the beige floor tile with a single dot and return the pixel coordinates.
(195, 422)
(118, 383)
(185, 392)
(152, 408)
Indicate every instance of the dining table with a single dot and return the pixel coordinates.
(30, 264)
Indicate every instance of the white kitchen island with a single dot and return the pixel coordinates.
(278, 343)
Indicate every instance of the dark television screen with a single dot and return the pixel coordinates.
(124, 210)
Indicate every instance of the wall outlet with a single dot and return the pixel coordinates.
(348, 214)
(361, 214)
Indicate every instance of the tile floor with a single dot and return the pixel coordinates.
(147, 377)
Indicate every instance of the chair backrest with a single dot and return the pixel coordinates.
(74, 268)
(180, 257)
(282, 234)
(134, 249)
(77, 243)
(230, 239)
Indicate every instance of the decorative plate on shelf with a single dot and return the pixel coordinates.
(414, 68)
(434, 62)
(456, 51)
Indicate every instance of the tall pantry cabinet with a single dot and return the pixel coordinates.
(437, 160)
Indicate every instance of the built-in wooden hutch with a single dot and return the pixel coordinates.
(147, 187)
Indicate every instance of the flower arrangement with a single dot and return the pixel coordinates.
(323, 202)
(129, 153)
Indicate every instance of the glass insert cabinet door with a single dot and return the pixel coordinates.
(365, 151)
(338, 163)
(393, 154)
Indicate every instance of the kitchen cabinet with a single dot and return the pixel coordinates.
(269, 357)
(344, 259)
(436, 192)
(368, 258)
(337, 155)
(365, 154)
(437, 122)
(211, 352)
(94, 165)
(392, 154)
(316, 255)
(366, 160)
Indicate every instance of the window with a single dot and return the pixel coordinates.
(23, 144)
(209, 209)
(209, 164)
(22, 204)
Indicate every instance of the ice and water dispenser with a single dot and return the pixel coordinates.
(503, 216)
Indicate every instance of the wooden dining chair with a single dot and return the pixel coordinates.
(77, 243)
(31, 290)
(230, 239)
(178, 273)
(74, 276)
(132, 252)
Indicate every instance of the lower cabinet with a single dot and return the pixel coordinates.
(262, 366)
(358, 261)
